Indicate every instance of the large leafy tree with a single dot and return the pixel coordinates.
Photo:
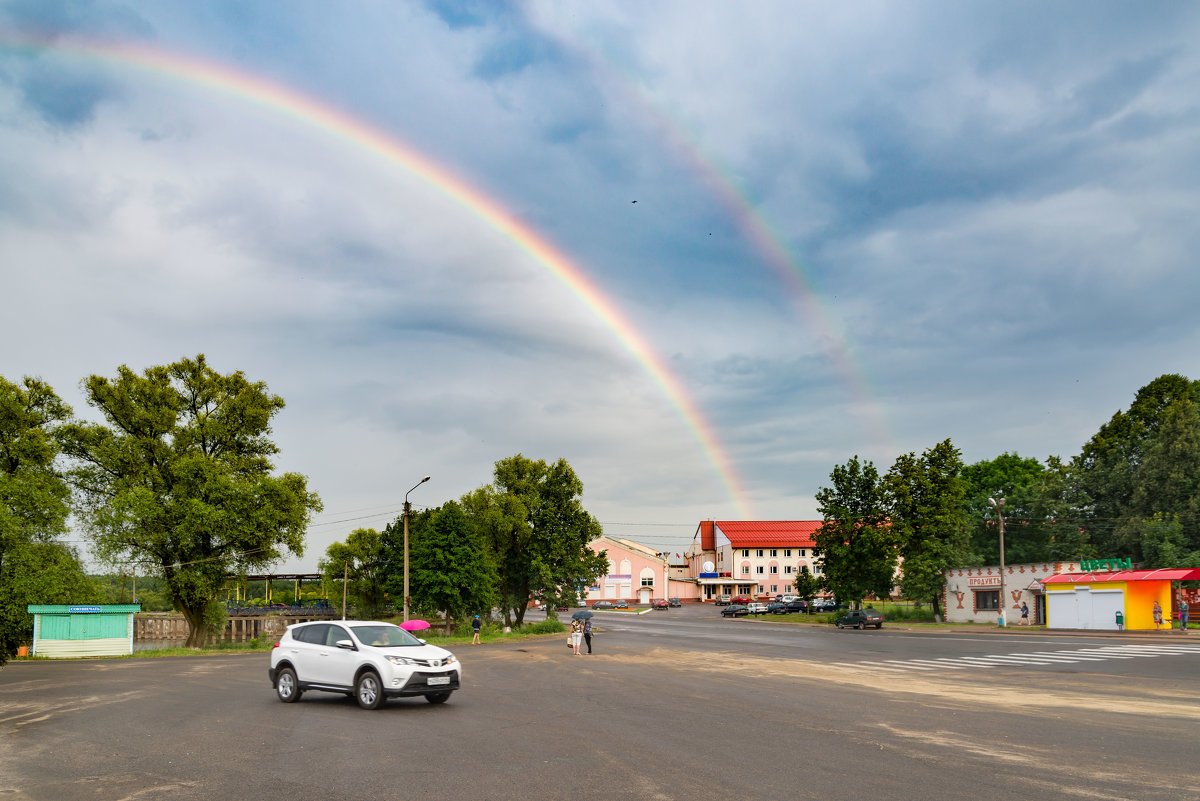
(1167, 482)
(1019, 481)
(542, 544)
(1107, 468)
(925, 496)
(35, 567)
(451, 567)
(361, 563)
(179, 477)
(502, 522)
(858, 546)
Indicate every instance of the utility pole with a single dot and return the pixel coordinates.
(407, 509)
(999, 504)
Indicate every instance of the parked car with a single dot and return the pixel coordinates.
(674, 602)
(777, 608)
(789, 598)
(660, 604)
(368, 660)
(723, 600)
(603, 605)
(797, 605)
(620, 605)
(825, 605)
(860, 619)
(742, 599)
(735, 610)
(756, 608)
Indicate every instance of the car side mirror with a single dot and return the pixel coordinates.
(347, 644)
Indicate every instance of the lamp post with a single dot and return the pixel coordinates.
(407, 508)
(999, 504)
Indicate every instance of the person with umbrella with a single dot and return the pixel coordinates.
(583, 617)
(587, 632)
(576, 636)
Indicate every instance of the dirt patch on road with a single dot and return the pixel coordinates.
(1117, 697)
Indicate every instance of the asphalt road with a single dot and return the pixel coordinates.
(672, 705)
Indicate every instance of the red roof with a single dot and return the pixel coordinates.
(706, 535)
(769, 533)
(1162, 574)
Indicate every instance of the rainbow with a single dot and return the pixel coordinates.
(752, 223)
(344, 127)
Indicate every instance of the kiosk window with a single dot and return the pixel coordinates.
(987, 599)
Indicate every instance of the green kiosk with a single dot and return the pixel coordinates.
(62, 631)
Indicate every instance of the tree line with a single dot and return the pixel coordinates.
(522, 538)
(1132, 492)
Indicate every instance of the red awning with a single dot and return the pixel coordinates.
(1162, 574)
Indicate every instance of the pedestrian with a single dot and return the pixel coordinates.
(1024, 614)
(576, 637)
(476, 625)
(1183, 612)
(1157, 616)
(587, 633)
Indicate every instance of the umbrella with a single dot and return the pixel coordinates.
(582, 614)
(414, 625)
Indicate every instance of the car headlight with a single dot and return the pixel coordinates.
(401, 660)
(451, 659)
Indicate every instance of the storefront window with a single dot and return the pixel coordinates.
(987, 599)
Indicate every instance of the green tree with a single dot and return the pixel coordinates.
(1106, 470)
(502, 520)
(1163, 544)
(179, 476)
(451, 567)
(35, 568)
(807, 586)
(542, 545)
(925, 496)
(1019, 481)
(360, 562)
(1167, 482)
(857, 545)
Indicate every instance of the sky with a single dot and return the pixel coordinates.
(703, 251)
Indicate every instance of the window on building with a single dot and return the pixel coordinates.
(787, 570)
(745, 553)
(787, 587)
(787, 554)
(759, 570)
(760, 552)
(760, 589)
(774, 588)
(647, 581)
(745, 570)
(774, 552)
(802, 552)
(774, 570)
(987, 599)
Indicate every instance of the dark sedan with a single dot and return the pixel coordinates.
(735, 610)
(860, 619)
(602, 605)
(674, 602)
(620, 605)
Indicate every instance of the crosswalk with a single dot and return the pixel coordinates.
(1076, 656)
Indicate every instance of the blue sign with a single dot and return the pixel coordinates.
(710, 575)
(75, 609)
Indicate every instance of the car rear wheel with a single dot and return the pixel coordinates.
(861, 626)
(878, 625)
(286, 686)
(368, 690)
(437, 698)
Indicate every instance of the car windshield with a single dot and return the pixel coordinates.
(384, 636)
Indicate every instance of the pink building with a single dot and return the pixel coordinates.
(638, 574)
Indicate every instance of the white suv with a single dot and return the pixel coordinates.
(369, 660)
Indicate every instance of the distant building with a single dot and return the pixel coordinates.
(756, 558)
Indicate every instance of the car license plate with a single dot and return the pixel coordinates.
(433, 680)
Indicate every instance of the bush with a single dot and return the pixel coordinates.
(545, 627)
(907, 611)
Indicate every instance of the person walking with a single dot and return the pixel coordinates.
(576, 637)
(587, 633)
(1183, 613)
(1157, 610)
(476, 625)
(1024, 614)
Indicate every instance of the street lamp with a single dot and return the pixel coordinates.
(999, 504)
(407, 508)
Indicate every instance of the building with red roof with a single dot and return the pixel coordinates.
(759, 558)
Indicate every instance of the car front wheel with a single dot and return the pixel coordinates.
(368, 690)
(840, 626)
(437, 698)
(286, 686)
